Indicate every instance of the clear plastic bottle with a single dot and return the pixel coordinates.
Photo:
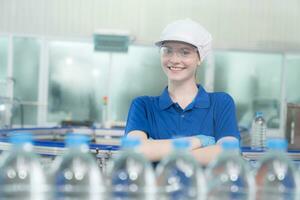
(297, 192)
(229, 177)
(258, 132)
(76, 174)
(276, 176)
(180, 176)
(21, 174)
(130, 175)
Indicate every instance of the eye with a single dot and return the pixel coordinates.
(185, 52)
(168, 50)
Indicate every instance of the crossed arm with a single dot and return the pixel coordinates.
(155, 150)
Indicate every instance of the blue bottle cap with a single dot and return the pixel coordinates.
(17, 138)
(230, 145)
(181, 144)
(277, 144)
(259, 114)
(76, 139)
(130, 142)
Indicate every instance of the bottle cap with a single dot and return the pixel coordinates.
(277, 144)
(76, 139)
(231, 145)
(180, 143)
(130, 142)
(259, 114)
(17, 138)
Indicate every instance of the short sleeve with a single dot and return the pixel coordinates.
(137, 116)
(225, 117)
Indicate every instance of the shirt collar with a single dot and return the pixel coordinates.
(165, 100)
(201, 100)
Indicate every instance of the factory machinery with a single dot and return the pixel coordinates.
(49, 142)
(104, 145)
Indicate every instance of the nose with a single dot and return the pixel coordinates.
(175, 58)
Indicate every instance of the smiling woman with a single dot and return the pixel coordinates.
(184, 109)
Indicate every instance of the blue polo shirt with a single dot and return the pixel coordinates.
(211, 114)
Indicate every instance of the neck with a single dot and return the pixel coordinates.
(183, 93)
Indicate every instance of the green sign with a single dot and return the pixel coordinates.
(111, 43)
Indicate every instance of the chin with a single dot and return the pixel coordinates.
(176, 78)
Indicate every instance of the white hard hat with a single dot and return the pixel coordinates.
(190, 32)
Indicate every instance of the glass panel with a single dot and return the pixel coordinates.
(293, 78)
(3, 64)
(253, 80)
(134, 74)
(26, 59)
(79, 78)
(24, 114)
(77, 81)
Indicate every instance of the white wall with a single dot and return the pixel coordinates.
(234, 24)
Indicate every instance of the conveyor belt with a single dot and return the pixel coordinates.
(104, 142)
(49, 142)
(250, 154)
(104, 137)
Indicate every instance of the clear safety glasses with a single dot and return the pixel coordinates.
(181, 52)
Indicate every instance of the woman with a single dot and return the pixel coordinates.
(184, 109)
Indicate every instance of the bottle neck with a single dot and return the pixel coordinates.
(180, 150)
(83, 148)
(22, 147)
(235, 152)
(277, 151)
(130, 149)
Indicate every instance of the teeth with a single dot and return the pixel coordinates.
(175, 68)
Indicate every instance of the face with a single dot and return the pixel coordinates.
(179, 60)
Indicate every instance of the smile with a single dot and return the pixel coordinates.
(176, 68)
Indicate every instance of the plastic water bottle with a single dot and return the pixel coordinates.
(21, 174)
(76, 174)
(258, 132)
(229, 177)
(276, 176)
(180, 176)
(130, 175)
